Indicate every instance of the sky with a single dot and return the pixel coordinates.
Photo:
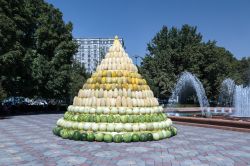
(137, 21)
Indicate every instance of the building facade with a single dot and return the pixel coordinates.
(92, 50)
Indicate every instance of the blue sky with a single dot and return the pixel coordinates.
(137, 21)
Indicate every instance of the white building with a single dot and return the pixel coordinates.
(92, 50)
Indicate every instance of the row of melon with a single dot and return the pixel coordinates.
(116, 73)
(116, 110)
(115, 102)
(113, 118)
(119, 80)
(116, 48)
(132, 87)
(115, 127)
(114, 136)
(116, 54)
(100, 93)
(117, 60)
(122, 66)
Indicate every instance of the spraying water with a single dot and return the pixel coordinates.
(185, 81)
(227, 92)
(242, 101)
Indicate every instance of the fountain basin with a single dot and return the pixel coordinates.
(236, 124)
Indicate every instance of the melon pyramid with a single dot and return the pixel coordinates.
(115, 104)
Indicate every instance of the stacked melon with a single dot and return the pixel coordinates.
(115, 104)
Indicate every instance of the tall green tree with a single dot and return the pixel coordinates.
(243, 70)
(78, 76)
(174, 50)
(36, 48)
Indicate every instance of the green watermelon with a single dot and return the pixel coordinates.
(71, 134)
(143, 137)
(57, 130)
(156, 136)
(127, 137)
(81, 117)
(77, 136)
(107, 138)
(98, 119)
(94, 118)
(75, 117)
(117, 119)
(91, 137)
(135, 118)
(160, 135)
(84, 137)
(168, 134)
(173, 131)
(66, 115)
(118, 138)
(130, 119)
(142, 119)
(99, 137)
(104, 118)
(85, 118)
(91, 118)
(110, 119)
(124, 119)
(64, 133)
(135, 137)
(147, 118)
(150, 137)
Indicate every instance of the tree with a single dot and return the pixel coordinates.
(174, 50)
(243, 68)
(36, 49)
(78, 76)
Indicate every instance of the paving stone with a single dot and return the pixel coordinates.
(28, 140)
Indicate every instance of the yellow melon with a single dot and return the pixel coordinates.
(129, 80)
(103, 80)
(114, 74)
(97, 86)
(104, 73)
(108, 80)
(119, 86)
(109, 73)
(119, 80)
(107, 86)
(119, 73)
(124, 80)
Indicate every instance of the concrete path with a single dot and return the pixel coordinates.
(28, 140)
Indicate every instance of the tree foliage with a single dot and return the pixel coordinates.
(36, 49)
(174, 50)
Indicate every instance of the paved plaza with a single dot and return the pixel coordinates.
(28, 140)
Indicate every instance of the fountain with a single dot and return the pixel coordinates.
(189, 80)
(227, 92)
(241, 101)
